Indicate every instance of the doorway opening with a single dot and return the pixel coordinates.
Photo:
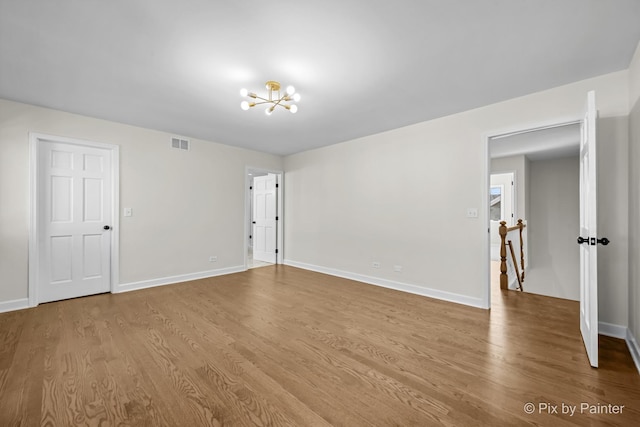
(501, 197)
(501, 208)
(583, 219)
(263, 218)
(543, 165)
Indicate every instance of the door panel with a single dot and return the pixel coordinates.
(61, 203)
(92, 245)
(61, 258)
(264, 217)
(75, 200)
(93, 197)
(588, 231)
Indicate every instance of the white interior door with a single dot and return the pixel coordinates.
(264, 218)
(588, 232)
(73, 220)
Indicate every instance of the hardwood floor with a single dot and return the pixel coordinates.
(283, 346)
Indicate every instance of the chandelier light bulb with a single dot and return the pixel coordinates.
(244, 92)
(290, 90)
(293, 109)
(244, 105)
(296, 97)
(268, 111)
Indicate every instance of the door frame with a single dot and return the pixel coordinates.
(279, 213)
(35, 143)
(486, 184)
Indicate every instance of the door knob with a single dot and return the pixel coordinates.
(106, 227)
(604, 241)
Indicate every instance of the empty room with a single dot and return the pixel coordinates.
(285, 213)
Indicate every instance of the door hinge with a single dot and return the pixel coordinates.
(276, 218)
(277, 185)
(276, 251)
(250, 188)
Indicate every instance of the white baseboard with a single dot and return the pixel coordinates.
(622, 332)
(134, 286)
(16, 304)
(610, 330)
(634, 349)
(405, 287)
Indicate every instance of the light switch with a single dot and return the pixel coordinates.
(472, 212)
(128, 211)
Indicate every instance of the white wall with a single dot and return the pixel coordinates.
(400, 197)
(187, 205)
(552, 228)
(519, 165)
(613, 220)
(634, 201)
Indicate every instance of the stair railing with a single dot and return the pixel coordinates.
(504, 242)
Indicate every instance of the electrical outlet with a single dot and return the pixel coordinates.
(128, 211)
(375, 264)
(397, 268)
(213, 258)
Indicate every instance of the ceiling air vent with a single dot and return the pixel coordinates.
(179, 143)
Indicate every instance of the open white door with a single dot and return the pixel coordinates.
(588, 232)
(264, 218)
(74, 220)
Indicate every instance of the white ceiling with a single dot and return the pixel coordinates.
(361, 66)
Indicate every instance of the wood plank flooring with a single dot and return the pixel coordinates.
(287, 347)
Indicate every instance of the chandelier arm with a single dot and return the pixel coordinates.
(279, 101)
(275, 103)
(266, 101)
(263, 99)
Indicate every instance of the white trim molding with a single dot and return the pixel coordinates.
(144, 284)
(13, 305)
(622, 332)
(398, 286)
(610, 330)
(35, 140)
(279, 206)
(634, 349)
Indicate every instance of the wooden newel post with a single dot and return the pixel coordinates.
(521, 227)
(504, 281)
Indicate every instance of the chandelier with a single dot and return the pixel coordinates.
(274, 98)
